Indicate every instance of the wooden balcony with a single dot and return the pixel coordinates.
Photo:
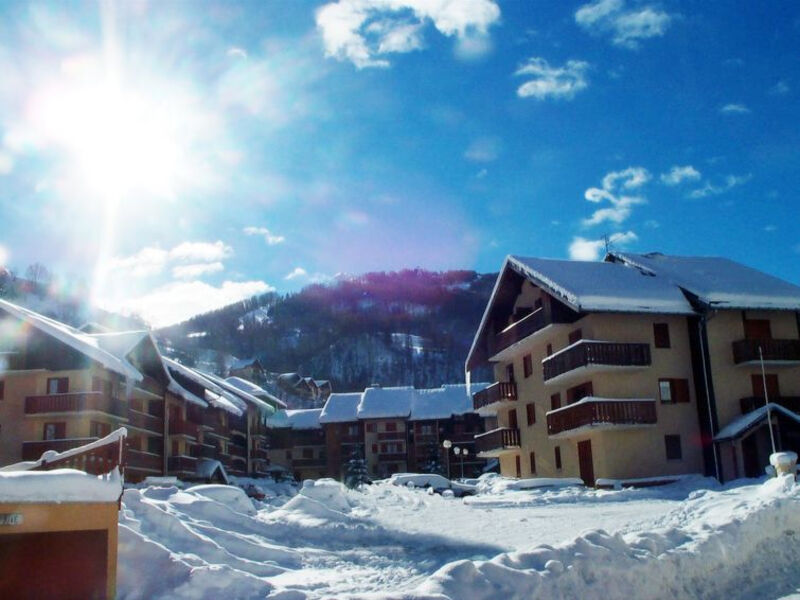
(776, 352)
(181, 427)
(590, 355)
(392, 435)
(75, 402)
(600, 413)
(181, 464)
(145, 461)
(239, 439)
(237, 451)
(237, 424)
(258, 454)
(203, 451)
(488, 400)
(497, 442)
(150, 423)
(518, 331)
(34, 450)
(752, 403)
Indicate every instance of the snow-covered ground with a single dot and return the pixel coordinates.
(692, 539)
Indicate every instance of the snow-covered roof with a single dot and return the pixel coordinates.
(214, 394)
(385, 402)
(603, 286)
(243, 363)
(77, 340)
(248, 398)
(340, 408)
(120, 344)
(255, 390)
(59, 485)
(206, 467)
(746, 422)
(296, 419)
(444, 402)
(719, 282)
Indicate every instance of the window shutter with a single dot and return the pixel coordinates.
(530, 410)
(680, 390)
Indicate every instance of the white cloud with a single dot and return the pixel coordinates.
(485, 149)
(297, 273)
(178, 301)
(235, 52)
(365, 31)
(709, 189)
(627, 27)
(584, 249)
(552, 82)
(770, 228)
(779, 89)
(196, 270)
(201, 251)
(6, 163)
(621, 205)
(734, 109)
(678, 175)
(146, 262)
(269, 237)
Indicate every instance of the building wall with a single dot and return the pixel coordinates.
(379, 463)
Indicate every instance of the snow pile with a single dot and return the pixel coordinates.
(729, 544)
(492, 483)
(321, 500)
(229, 495)
(59, 485)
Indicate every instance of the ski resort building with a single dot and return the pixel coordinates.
(297, 443)
(637, 367)
(61, 388)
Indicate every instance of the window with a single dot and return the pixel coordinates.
(579, 391)
(558, 457)
(530, 413)
(549, 349)
(673, 447)
(426, 429)
(673, 391)
(101, 385)
(154, 445)
(533, 462)
(308, 453)
(574, 336)
(352, 430)
(374, 448)
(512, 419)
(391, 427)
(384, 448)
(772, 387)
(98, 429)
(527, 365)
(2, 389)
(510, 372)
(54, 431)
(555, 401)
(661, 335)
(370, 427)
(176, 449)
(757, 329)
(58, 385)
(518, 465)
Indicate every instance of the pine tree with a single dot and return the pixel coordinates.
(356, 471)
(434, 462)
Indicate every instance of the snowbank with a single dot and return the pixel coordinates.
(492, 483)
(727, 544)
(323, 499)
(59, 485)
(232, 496)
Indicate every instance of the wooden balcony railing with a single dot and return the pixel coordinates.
(143, 460)
(147, 422)
(497, 439)
(392, 435)
(745, 351)
(239, 439)
(518, 331)
(237, 451)
(601, 411)
(203, 451)
(75, 402)
(752, 403)
(503, 391)
(33, 450)
(586, 353)
(101, 457)
(181, 427)
(185, 464)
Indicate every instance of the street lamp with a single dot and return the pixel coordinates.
(461, 452)
(447, 444)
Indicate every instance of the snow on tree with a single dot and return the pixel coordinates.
(356, 473)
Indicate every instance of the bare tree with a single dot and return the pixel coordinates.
(37, 273)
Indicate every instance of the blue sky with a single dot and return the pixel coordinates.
(175, 156)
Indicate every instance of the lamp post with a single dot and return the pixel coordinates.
(464, 452)
(447, 444)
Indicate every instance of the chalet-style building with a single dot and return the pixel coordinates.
(297, 443)
(250, 369)
(641, 366)
(61, 388)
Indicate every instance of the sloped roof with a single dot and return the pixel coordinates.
(741, 425)
(243, 363)
(444, 402)
(603, 286)
(214, 394)
(385, 402)
(718, 282)
(81, 342)
(264, 407)
(255, 390)
(340, 408)
(296, 419)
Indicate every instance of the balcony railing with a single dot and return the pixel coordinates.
(258, 454)
(203, 451)
(392, 435)
(752, 403)
(136, 459)
(601, 411)
(587, 353)
(34, 450)
(496, 441)
(503, 391)
(75, 402)
(185, 464)
(237, 451)
(144, 421)
(775, 351)
(181, 427)
(237, 423)
(518, 331)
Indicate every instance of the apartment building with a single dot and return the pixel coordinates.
(344, 433)
(297, 443)
(607, 369)
(61, 388)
